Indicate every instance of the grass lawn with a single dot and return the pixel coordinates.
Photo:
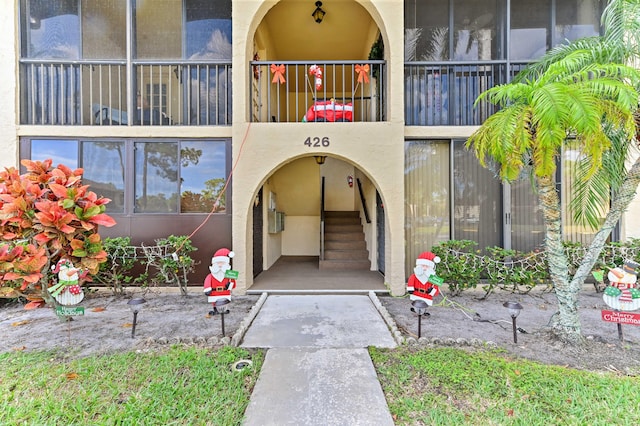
(191, 386)
(178, 386)
(455, 387)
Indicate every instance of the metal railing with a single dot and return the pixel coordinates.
(444, 93)
(289, 91)
(97, 93)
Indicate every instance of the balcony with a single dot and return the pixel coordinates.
(102, 93)
(335, 91)
(444, 93)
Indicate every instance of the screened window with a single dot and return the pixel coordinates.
(160, 33)
(477, 200)
(427, 199)
(475, 34)
(449, 195)
(73, 29)
(530, 28)
(576, 19)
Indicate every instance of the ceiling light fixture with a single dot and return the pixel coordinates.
(318, 14)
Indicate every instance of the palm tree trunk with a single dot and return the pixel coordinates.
(566, 324)
(619, 204)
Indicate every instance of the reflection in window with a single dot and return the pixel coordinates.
(202, 176)
(156, 181)
(475, 30)
(103, 164)
(576, 19)
(530, 20)
(52, 31)
(60, 151)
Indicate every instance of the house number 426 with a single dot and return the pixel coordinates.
(316, 141)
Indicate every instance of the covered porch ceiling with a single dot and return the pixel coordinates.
(346, 32)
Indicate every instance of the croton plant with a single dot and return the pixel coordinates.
(46, 214)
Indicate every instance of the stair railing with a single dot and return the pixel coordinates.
(363, 201)
(322, 220)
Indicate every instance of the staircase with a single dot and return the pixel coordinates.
(344, 244)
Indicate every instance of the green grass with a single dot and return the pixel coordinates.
(173, 387)
(457, 387)
(192, 386)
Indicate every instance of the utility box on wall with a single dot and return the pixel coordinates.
(276, 221)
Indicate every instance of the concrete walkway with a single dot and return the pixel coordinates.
(317, 370)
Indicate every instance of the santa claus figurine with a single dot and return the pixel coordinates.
(622, 292)
(419, 286)
(217, 285)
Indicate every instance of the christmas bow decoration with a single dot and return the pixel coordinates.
(278, 73)
(363, 73)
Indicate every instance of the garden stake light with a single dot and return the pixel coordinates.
(420, 308)
(222, 309)
(514, 311)
(136, 306)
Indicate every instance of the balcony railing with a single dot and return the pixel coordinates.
(97, 93)
(444, 93)
(288, 91)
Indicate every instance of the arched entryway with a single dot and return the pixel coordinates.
(318, 231)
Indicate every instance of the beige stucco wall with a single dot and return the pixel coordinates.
(8, 75)
(376, 149)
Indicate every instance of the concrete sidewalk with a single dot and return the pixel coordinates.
(317, 370)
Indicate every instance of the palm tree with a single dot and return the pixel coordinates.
(571, 98)
(570, 92)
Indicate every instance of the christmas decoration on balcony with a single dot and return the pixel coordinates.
(316, 71)
(278, 73)
(363, 73)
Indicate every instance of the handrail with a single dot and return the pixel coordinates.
(363, 201)
(322, 219)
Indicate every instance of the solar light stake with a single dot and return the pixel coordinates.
(420, 308)
(220, 306)
(514, 311)
(136, 306)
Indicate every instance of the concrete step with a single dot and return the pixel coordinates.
(345, 264)
(346, 254)
(349, 213)
(344, 236)
(343, 220)
(345, 245)
(331, 228)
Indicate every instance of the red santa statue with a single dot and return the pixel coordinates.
(622, 292)
(216, 285)
(419, 286)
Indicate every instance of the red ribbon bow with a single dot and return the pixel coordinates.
(363, 73)
(278, 71)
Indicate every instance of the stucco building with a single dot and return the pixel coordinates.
(310, 108)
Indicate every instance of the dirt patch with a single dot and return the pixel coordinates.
(465, 320)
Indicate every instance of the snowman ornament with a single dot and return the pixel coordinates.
(67, 291)
(622, 292)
